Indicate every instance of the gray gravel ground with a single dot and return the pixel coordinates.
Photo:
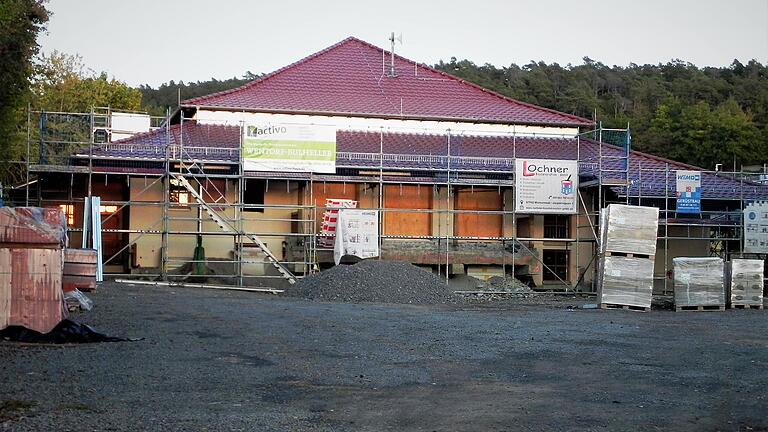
(224, 361)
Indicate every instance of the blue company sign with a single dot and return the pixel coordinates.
(689, 192)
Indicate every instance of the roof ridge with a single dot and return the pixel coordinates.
(565, 117)
(478, 87)
(271, 74)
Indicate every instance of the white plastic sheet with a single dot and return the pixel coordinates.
(699, 281)
(625, 281)
(357, 234)
(631, 229)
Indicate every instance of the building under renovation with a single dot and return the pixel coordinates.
(433, 155)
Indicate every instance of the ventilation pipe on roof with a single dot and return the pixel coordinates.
(392, 39)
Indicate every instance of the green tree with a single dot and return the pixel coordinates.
(677, 110)
(21, 21)
(156, 100)
(63, 83)
(704, 136)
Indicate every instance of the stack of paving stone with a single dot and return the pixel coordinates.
(627, 253)
(745, 283)
(699, 283)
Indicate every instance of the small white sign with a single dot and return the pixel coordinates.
(546, 186)
(357, 234)
(756, 227)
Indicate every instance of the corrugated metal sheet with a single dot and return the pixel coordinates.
(30, 288)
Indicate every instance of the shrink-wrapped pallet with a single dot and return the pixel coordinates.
(625, 281)
(745, 281)
(698, 281)
(630, 229)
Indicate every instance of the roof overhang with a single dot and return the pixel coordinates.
(382, 116)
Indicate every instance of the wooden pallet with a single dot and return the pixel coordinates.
(628, 255)
(705, 308)
(745, 306)
(624, 307)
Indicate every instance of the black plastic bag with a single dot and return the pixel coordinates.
(67, 331)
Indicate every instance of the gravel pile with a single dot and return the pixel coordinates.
(374, 281)
(508, 284)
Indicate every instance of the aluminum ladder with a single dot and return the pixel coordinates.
(226, 226)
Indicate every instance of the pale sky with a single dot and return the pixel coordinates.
(155, 41)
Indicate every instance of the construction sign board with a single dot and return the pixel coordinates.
(357, 234)
(289, 148)
(688, 192)
(546, 186)
(756, 227)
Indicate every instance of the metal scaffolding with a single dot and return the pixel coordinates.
(62, 145)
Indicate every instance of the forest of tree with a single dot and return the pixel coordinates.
(701, 116)
(156, 101)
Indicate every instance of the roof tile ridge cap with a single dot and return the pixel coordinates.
(491, 92)
(269, 75)
(509, 99)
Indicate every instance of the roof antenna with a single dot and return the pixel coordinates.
(392, 39)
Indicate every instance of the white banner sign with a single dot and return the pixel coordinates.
(289, 148)
(357, 233)
(546, 186)
(756, 227)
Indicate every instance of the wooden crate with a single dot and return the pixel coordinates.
(30, 288)
(79, 269)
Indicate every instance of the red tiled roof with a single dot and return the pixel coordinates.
(348, 78)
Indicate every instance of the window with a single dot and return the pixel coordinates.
(556, 226)
(178, 194)
(69, 213)
(556, 264)
(253, 194)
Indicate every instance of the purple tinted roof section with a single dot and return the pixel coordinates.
(361, 149)
(347, 78)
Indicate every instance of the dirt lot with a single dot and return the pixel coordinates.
(216, 360)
